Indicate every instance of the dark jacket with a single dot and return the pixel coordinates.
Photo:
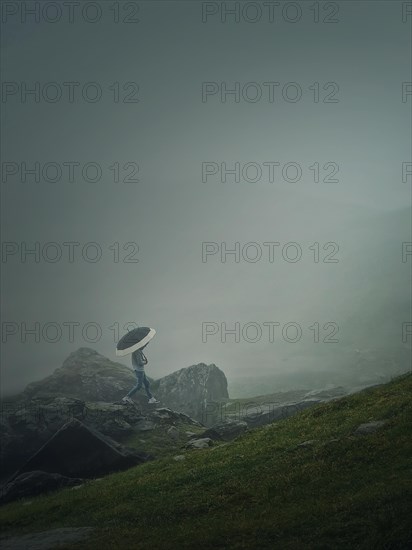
(138, 360)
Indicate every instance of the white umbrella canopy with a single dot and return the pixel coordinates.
(134, 340)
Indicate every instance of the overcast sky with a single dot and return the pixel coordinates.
(325, 97)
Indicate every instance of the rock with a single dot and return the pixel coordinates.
(269, 412)
(226, 430)
(164, 413)
(46, 540)
(116, 427)
(110, 418)
(199, 443)
(34, 483)
(26, 426)
(86, 375)
(307, 443)
(326, 394)
(173, 433)
(145, 425)
(369, 427)
(76, 450)
(179, 458)
(194, 390)
(220, 445)
(190, 434)
(188, 419)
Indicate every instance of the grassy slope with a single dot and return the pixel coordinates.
(261, 491)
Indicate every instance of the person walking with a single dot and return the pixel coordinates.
(139, 361)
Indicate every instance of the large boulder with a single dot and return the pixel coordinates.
(85, 375)
(369, 427)
(35, 483)
(76, 450)
(192, 389)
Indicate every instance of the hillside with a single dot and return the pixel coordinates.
(306, 482)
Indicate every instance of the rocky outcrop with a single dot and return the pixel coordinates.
(76, 450)
(85, 375)
(192, 389)
(29, 424)
(88, 376)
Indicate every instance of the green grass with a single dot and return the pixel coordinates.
(261, 491)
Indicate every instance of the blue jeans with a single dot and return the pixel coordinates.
(141, 379)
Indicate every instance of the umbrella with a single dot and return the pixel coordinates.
(134, 340)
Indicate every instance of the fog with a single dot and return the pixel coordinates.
(337, 210)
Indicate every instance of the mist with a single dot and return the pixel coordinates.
(187, 163)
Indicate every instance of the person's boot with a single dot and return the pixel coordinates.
(153, 400)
